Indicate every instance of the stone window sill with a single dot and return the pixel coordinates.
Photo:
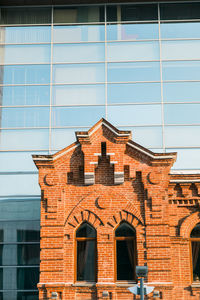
(125, 284)
(195, 284)
(84, 283)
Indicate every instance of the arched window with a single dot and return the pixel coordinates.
(86, 253)
(125, 252)
(195, 248)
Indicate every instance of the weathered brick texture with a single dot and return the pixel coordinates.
(105, 178)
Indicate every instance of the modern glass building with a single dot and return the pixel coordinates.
(62, 68)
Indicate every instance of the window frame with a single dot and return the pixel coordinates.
(190, 249)
(82, 239)
(115, 251)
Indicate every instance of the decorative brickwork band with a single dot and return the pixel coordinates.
(89, 178)
(119, 177)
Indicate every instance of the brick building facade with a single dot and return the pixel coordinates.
(99, 184)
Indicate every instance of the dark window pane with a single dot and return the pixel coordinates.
(25, 15)
(195, 232)
(86, 230)
(27, 296)
(81, 14)
(27, 278)
(125, 260)
(125, 230)
(28, 254)
(86, 252)
(132, 13)
(28, 235)
(1, 281)
(183, 11)
(1, 235)
(196, 260)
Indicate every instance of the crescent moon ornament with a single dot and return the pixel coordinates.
(152, 178)
(46, 181)
(97, 203)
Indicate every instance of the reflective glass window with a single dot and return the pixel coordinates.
(182, 113)
(139, 71)
(71, 53)
(134, 92)
(67, 116)
(14, 54)
(123, 32)
(181, 91)
(135, 115)
(16, 229)
(78, 94)
(27, 296)
(25, 15)
(78, 33)
(187, 158)
(78, 14)
(179, 11)
(26, 34)
(28, 139)
(27, 278)
(181, 70)
(25, 74)
(24, 117)
(26, 184)
(132, 12)
(79, 73)
(25, 95)
(59, 137)
(182, 136)
(181, 49)
(180, 30)
(133, 51)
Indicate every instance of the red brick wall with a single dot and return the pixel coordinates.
(162, 211)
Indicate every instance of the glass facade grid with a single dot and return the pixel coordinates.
(62, 68)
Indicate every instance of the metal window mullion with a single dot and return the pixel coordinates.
(161, 82)
(106, 64)
(51, 79)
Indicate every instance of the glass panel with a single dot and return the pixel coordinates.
(195, 232)
(78, 94)
(196, 260)
(26, 184)
(71, 53)
(80, 73)
(182, 113)
(180, 30)
(149, 137)
(86, 230)
(186, 158)
(25, 74)
(122, 32)
(132, 12)
(1, 235)
(181, 91)
(18, 161)
(127, 115)
(135, 92)
(27, 278)
(25, 15)
(181, 49)
(12, 54)
(28, 254)
(141, 71)
(179, 11)
(27, 296)
(86, 256)
(29, 139)
(75, 33)
(1, 281)
(25, 95)
(13, 229)
(78, 14)
(181, 70)
(87, 115)
(60, 136)
(182, 136)
(125, 260)
(28, 34)
(124, 230)
(24, 117)
(133, 51)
